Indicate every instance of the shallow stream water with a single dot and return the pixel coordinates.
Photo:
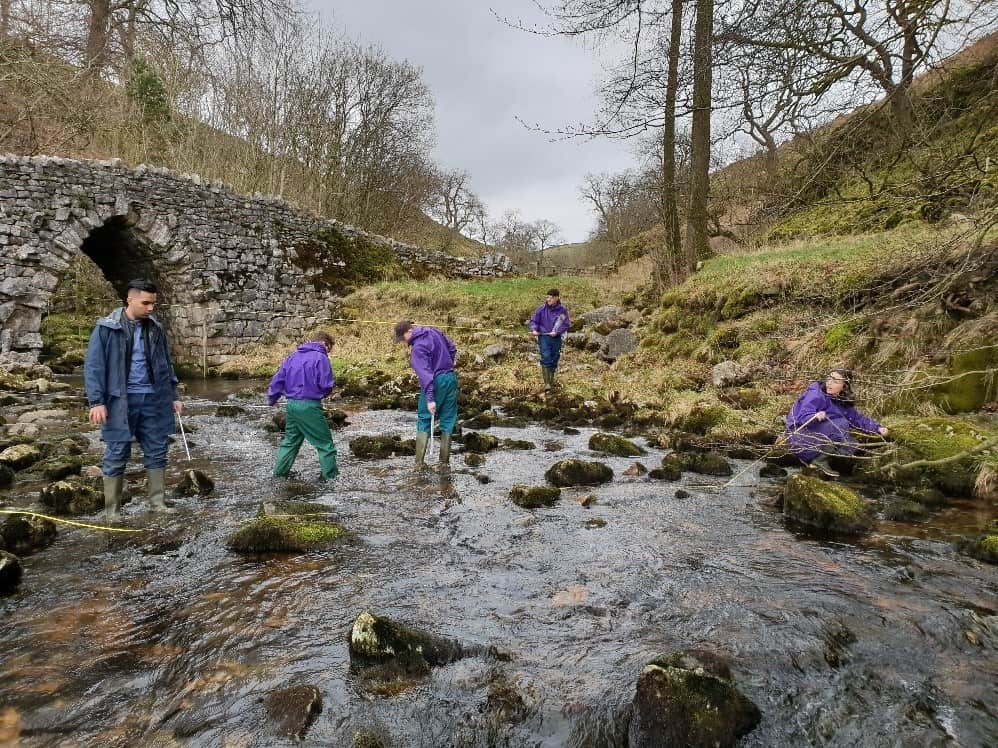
(167, 638)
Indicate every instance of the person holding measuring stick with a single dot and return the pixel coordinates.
(432, 357)
(548, 324)
(819, 422)
(132, 393)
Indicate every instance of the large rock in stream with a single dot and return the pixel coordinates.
(72, 497)
(531, 497)
(614, 445)
(10, 572)
(688, 700)
(288, 527)
(824, 506)
(578, 473)
(294, 709)
(24, 533)
(20, 456)
(382, 446)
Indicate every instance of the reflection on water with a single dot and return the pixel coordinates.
(168, 638)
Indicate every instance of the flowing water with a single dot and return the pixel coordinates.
(167, 638)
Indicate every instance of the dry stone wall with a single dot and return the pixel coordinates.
(232, 269)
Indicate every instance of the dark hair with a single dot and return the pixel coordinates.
(553, 292)
(401, 328)
(846, 394)
(140, 284)
(322, 337)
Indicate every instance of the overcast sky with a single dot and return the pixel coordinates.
(483, 75)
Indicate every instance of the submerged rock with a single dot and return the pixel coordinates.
(10, 572)
(476, 442)
(6, 476)
(905, 511)
(517, 444)
(706, 463)
(72, 497)
(614, 445)
(578, 473)
(984, 548)
(382, 446)
(24, 533)
(285, 534)
(824, 506)
(688, 699)
(531, 497)
(194, 483)
(294, 709)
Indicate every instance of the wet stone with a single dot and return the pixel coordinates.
(10, 572)
(20, 456)
(517, 444)
(72, 497)
(481, 421)
(57, 468)
(586, 500)
(614, 445)
(285, 535)
(476, 442)
(635, 469)
(578, 473)
(482, 478)
(24, 533)
(682, 494)
(983, 548)
(6, 476)
(531, 497)
(382, 446)
(706, 463)
(671, 469)
(371, 739)
(594, 523)
(825, 507)
(772, 471)
(194, 483)
(473, 459)
(227, 410)
(294, 709)
(689, 699)
(905, 511)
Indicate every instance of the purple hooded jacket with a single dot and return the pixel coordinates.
(304, 375)
(432, 353)
(548, 319)
(842, 415)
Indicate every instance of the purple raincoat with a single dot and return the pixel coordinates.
(548, 319)
(432, 353)
(830, 436)
(304, 375)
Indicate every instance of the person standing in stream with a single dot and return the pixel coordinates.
(131, 389)
(304, 378)
(432, 357)
(548, 324)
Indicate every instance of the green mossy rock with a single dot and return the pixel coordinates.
(517, 444)
(688, 699)
(701, 418)
(824, 506)
(283, 508)
(968, 386)
(383, 446)
(578, 473)
(20, 456)
(905, 511)
(72, 497)
(984, 548)
(473, 459)
(283, 535)
(480, 443)
(671, 469)
(57, 468)
(614, 445)
(706, 463)
(11, 572)
(531, 497)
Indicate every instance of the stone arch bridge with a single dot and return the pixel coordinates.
(232, 269)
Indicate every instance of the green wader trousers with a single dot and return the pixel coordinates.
(305, 420)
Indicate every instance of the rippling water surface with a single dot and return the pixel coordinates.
(167, 638)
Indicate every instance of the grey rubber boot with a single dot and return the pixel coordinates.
(445, 449)
(822, 466)
(421, 439)
(548, 377)
(113, 485)
(157, 490)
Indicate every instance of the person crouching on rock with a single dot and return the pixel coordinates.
(304, 379)
(818, 424)
(432, 357)
(548, 324)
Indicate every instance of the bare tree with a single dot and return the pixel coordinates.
(452, 201)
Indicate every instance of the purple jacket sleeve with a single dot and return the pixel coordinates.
(806, 406)
(535, 320)
(861, 422)
(276, 388)
(420, 361)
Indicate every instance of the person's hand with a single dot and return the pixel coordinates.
(98, 415)
(553, 334)
(820, 415)
(535, 333)
(431, 406)
(178, 407)
(883, 431)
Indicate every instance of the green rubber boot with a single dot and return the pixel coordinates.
(113, 485)
(445, 449)
(157, 490)
(548, 375)
(421, 439)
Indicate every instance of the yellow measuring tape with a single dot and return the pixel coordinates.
(69, 521)
(389, 322)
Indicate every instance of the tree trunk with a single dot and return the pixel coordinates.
(98, 34)
(697, 243)
(669, 266)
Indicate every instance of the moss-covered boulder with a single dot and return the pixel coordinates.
(578, 473)
(6, 476)
(20, 456)
(293, 507)
(377, 641)
(72, 497)
(57, 468)
(700, 418)
(382, 446)
(10, 572)
(826, 507)
(705, 463)
(194, 483)
(522, 444)
(614, 445)
(984, 548)
(905, 511)
(531, 497)
(285, 535)
(476, 442)
(294, 709)
(473, 459)
(25, 533)
(688, 699)
(229, 410)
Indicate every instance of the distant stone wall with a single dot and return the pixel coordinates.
(232, 268)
